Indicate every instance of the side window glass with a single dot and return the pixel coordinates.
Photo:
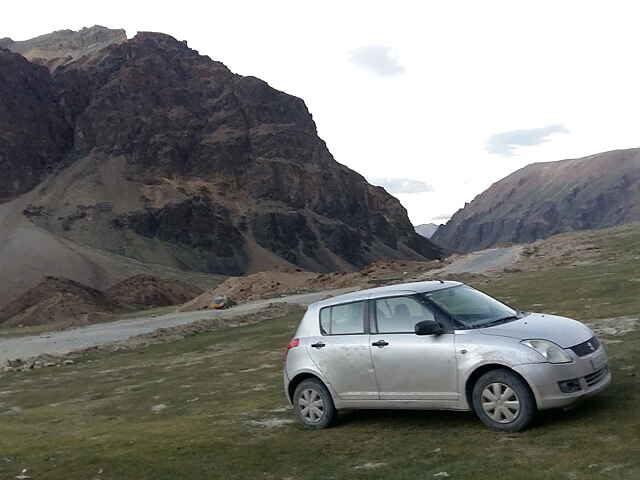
(347, 318)
(325, 320)
(400, 314)
(342, 319)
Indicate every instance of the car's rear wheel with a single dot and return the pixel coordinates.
(313, 404)
(503, 401)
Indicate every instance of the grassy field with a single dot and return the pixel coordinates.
(212, 406)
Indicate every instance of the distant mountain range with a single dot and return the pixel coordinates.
(426, 229)
(114, 149)
(543, 199)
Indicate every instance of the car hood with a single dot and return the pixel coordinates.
(560, 330)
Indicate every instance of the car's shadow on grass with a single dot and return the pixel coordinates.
(404, 418)
(591, 410)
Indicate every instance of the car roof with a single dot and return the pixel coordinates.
(389, 290)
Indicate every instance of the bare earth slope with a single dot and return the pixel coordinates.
(543, 199)
(29, 253)
(57, 300)
(150, 291)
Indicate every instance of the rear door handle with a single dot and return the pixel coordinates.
(380, 343)
(318, 345)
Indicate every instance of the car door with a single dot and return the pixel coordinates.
(409, 366)
(343, 351)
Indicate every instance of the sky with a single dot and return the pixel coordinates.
(433, 100)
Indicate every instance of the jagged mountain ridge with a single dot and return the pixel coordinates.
(171, 158)
(543, 199)
(63, 46)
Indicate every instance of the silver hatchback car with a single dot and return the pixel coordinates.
(438, 345)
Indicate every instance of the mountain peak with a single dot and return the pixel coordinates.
(426, 229)
(63, 46)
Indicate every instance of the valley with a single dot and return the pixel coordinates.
(211, 404)
(143, 185)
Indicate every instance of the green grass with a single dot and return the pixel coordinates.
(218, 387)
(607, 286)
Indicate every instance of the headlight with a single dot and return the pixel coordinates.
(549, 350)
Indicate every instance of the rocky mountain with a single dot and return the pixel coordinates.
(426, 229)
(543, 199)
(146, 150)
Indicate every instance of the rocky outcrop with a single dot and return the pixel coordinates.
(173, 159)
(543, 199)
(34, 136)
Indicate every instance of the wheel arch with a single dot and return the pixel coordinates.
(299, 378)
(481, 370)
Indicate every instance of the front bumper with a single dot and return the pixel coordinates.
(592, 371)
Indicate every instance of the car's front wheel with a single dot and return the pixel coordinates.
(313, 404)
(503, 401)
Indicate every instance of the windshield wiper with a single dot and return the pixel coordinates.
(499, 321)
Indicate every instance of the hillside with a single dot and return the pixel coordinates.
(149, 291)
(543, 199)
(147, 150)
(57, 300)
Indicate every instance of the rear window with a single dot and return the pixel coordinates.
(347, 319)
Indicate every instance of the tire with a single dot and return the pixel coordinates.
(313, 404)
(503, 401)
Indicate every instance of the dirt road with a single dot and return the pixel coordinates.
(484, 260)
(99, 334)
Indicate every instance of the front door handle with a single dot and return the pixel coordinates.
(318, 345)
(380, 343)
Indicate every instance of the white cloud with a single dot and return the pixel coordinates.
(442, 218)
(505, 143)
(377, 59)
(466, 76)
(402, 185)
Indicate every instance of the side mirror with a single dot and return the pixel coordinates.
(428, 327)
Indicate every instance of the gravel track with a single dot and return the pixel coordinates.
(79, 338)
(484, 260)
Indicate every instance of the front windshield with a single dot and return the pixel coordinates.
(471, 308)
